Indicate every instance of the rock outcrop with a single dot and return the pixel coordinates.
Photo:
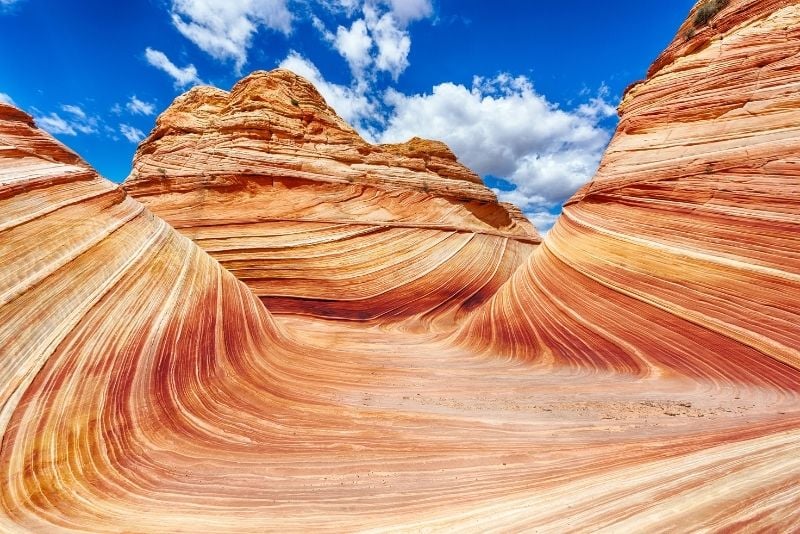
(687, 239)
(637, 372)
(289, 198)
(103, 308)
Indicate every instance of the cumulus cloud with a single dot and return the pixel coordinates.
(392, 41)
(74, 121)
(378, 41)
(502, 127)
(224, 29)
(405, 11)
(598, 106)
(410, 10)
(140, 107)
(499, 126)
(134, 135)
(542, 220)
(6, 99)
(182, 76)
(75, 111)
(351, 103)
(54, 124)
(347, 6)
(354, 44)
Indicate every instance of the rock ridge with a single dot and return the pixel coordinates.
(274, 184)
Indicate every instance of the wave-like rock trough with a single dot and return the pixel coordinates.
(274, 325)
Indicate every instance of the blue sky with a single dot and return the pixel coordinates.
(524, 92)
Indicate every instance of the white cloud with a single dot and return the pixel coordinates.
(134, 135)
(80, 121)
(498, 126)
(224, 29)
(392, 41)
(542, 220)
(6, 99)
(140, 107)
(409, 10)
(598, 106)
(76, 121)
(75, 111)
(327, 35)
(405, 11)
(348, 6)
(504, 128)
(351, 103)
(54, 124)
(85, 128)
(379, 41)
(354, 45)
(182, 76)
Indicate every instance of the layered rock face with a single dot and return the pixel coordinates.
(688, 238)
(637, 373)
(289, 198)
(101, 305)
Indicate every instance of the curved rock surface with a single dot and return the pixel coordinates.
(638, 372)
(289, 198)
(692, 223)
(682, 257)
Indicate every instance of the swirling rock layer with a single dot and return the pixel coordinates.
(289, 198)
(638, 372)
(691, 224)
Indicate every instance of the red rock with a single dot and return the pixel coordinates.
(289, 198)
(638, 372)
(681, 255)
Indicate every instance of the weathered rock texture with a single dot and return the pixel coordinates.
(638, 373)
(688, 238)
(289, 198)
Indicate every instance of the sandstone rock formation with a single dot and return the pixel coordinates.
(690, 230)
(638, 372)
(289, 198)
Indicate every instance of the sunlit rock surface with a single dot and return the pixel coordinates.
(289, 198)
(637, 373)
(688, 238)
